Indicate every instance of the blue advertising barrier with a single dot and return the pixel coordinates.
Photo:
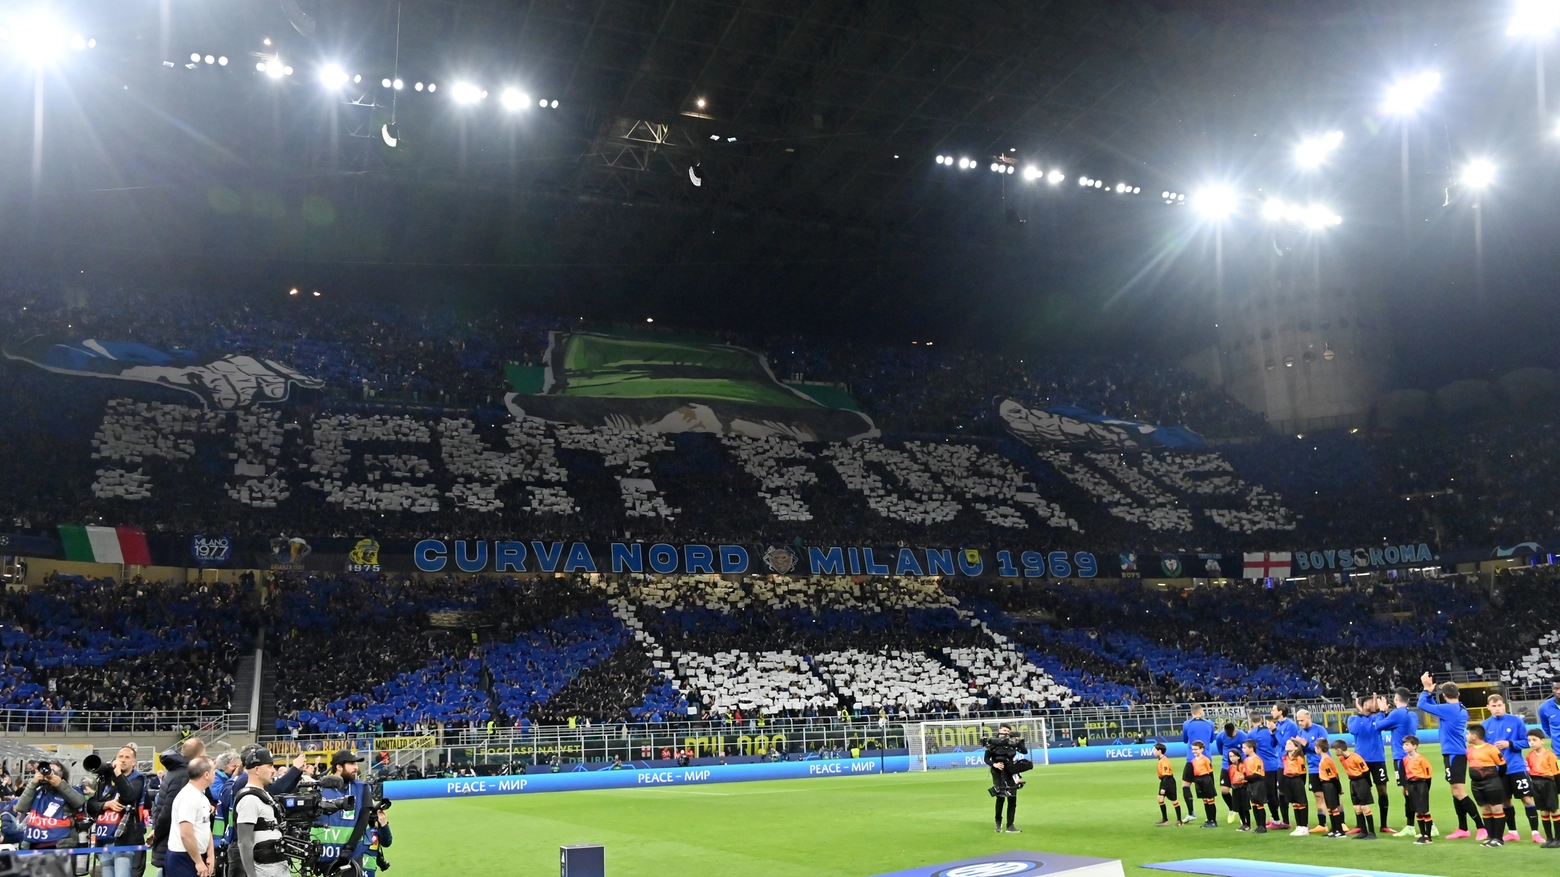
(584, 778)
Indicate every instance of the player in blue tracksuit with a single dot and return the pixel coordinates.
(1453, 718)
(1311, 732)
(1283, 728)
(1399, 723)
(1264, 733)
(1508, 733)
(1368, 746)
(1229, 745)
(1549, 713)
(1194, 730)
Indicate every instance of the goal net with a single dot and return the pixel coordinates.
(962, 742)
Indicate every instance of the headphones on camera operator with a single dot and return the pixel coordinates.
(267, 852)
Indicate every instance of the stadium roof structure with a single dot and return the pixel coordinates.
(815, 147)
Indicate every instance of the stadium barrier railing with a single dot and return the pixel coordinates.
(751, 737)
(14, 722)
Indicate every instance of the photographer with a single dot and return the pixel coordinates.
(119, 812)
(350, 835)
(51, 805)
(257, 849)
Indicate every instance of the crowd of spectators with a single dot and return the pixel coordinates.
(72, 644)
(387, 654)
(1456, 484)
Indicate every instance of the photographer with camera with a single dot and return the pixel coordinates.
(352, 833)
(257, 848)
(119, 812)
(51, 805)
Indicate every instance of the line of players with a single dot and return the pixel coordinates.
(1279, 760)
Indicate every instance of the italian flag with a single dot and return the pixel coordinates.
(125, 545)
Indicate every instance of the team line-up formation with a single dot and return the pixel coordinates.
(1272, 774)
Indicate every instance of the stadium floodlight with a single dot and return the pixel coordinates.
(1537, 19)
(194, 57)
(433, 87)
(41, 40)
(1313, 152)
(941, 159)
(274, 69)
(418, 86)
(397, 85)
(1478, 174)
(514, 100)
(332, 76)
(1055, 177)
(1012, 168)
(554, 105)
(1215, 202)
(1085, 181)
(222, 61)
(384, 83)
(1406, 96)
(1274, 210)
(963, 163)
(210, 59)
(293, 292)
(465, 93)
(1032, 173)
(1316, 217)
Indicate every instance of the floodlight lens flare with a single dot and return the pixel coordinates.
(513, 100)
(1478, 174)
(332, 76)
(1216, 202)
(465, 93)
(1055, 177)
(1534, 18)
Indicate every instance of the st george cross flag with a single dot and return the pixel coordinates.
(1267, 565)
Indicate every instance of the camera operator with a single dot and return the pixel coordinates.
(176, 762)
(281, 785)
(352, 834)
(1002, 757)
(190, 852)
(257, 848)
(51, 804)
(119, 812)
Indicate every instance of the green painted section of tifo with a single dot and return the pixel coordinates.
(859, 826)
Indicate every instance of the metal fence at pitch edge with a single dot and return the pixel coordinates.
(80, 722)
(788, 737)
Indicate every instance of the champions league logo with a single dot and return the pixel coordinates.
(211, 550)
(989, 869)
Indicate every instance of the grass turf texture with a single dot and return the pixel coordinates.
(860, 826)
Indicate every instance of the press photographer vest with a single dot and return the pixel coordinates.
(334, 831)
(106, 829)
(49, 821)
(268, 832)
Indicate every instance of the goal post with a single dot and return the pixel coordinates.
(962, 742)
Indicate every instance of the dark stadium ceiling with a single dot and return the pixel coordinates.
(837, 109)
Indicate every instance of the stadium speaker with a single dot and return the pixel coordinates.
(584, 860)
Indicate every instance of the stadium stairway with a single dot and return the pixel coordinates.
(267, 717)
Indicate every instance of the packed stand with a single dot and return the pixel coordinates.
(73, 643)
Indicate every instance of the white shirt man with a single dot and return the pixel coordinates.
(190, 851)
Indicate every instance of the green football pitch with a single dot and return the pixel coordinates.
(861, 826)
